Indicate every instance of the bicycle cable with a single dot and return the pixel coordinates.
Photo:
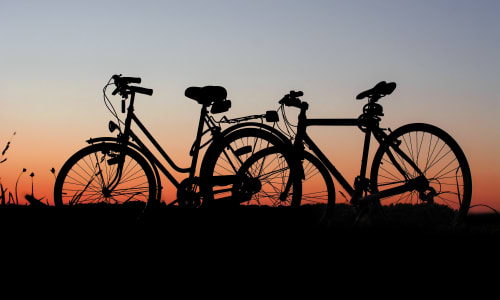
(109, 104)
(289, 127)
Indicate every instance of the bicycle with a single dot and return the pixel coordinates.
(414, 164)
(122, 169)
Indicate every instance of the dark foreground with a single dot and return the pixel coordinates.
(172, 225)
(244, 246)
(243, 249)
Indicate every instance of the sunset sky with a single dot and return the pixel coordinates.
(56, 56)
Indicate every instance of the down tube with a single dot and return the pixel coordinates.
(146, 152)
(336, 174)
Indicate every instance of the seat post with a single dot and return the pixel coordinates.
(196, 146)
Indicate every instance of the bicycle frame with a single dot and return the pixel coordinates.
(205, 118)
(370, 126)
(124, 139)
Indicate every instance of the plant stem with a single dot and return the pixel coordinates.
(19, 177)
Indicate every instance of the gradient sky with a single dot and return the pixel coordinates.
(55, 57)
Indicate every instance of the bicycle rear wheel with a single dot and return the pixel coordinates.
(86, 177)
(440, 159)
(225, 157)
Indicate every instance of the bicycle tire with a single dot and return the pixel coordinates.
(318, 189)
(226, 155)
(76, 182)
(444, 165)
(263, 177)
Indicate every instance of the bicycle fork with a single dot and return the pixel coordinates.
(108, 188)
(295, 171)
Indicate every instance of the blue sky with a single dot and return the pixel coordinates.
(56, 56)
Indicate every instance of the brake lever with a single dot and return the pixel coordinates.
(284, 99)
(115, 91)
(116, 79)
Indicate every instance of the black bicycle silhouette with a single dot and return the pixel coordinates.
(122, 169)
(414, 164)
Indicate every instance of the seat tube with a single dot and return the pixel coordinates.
(196, 146)
(366, 149)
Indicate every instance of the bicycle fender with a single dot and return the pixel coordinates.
(102, 139)
(113, 140)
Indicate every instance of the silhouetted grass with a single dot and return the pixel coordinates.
(4, 197)
(423, 219)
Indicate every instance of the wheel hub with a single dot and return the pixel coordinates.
(249, 187)
(252, 186)
(106, 192)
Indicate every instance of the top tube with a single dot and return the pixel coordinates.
(331, 122)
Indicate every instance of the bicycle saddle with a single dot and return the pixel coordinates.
(206, 95)
(379, 90)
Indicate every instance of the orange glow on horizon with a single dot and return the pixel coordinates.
(40, 160)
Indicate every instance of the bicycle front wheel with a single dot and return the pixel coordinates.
(88, 177)
(439, 158)
(273, 177)
(318, 190)
(266, 179)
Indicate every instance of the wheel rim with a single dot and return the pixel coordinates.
(89, 180)
(239, 148)
(314, 187)
(438, 160)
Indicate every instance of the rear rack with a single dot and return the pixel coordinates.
(269, 116)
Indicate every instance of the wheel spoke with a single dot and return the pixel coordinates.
(435, 154)
(87, 175)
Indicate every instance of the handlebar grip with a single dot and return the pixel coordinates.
(131, 79)
(294, 94)
(141, 90)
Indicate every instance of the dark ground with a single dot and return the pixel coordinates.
(244, 224)
(246, 247)
(248, 238)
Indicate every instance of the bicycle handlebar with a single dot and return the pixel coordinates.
(119, 79)
(292, 99)
(295, 94)
(123, 87)
(141, 90)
